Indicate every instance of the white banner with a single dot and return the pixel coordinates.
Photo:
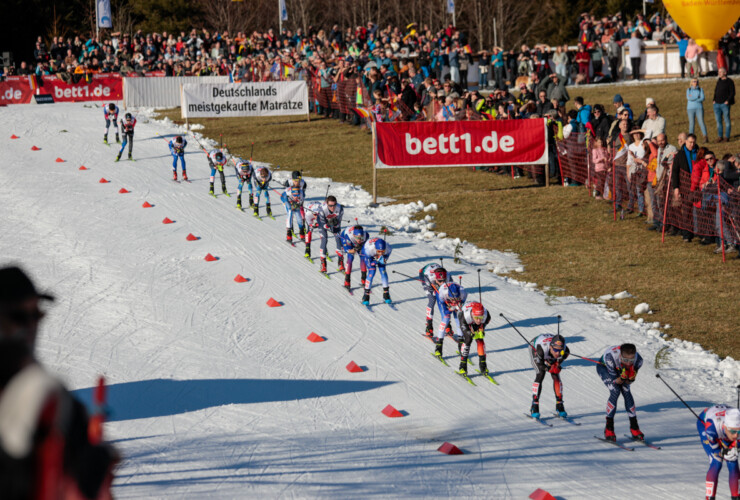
(244, 99)
(104, 15)
(283, 11)
(155, 92)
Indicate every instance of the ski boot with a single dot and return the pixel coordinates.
(256, 210)
(130, 157)
(184, 175)
(118, 157)
(289, 236)
(223, 190)
(105, 139)
(482, 364)
(340, 267)
(438, 347)
(211, 191)
(251, 201)
(308, 252)
(323, 265)
(302, 234)
(366, 298)
(609, 430)
(239, 202)
(463, 370)
(386, 295)
(118, 139)
(534, 411)
(635, 429)
(269, 210)
(448, 330)
(560, 410)
(347, 280)
(174, 176)
(363, 276)
(429, 331)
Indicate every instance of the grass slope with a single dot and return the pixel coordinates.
(566, 239)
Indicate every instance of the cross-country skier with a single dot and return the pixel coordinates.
(311, 215)
(292, 198)
(296, 180)
(177, 150)
(127, 129)
(618, 368)
(547, 352)
(375, 254)
(217, 160)
(450, 300)
(432, 276)
(718, 428)
(473, 319)
(353, 239)
(330, 220)
(110, 112)
(261, 180)
(244, 173)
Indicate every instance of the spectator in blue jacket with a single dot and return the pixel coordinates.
(619, 102)
(584, 113)
(695, 107)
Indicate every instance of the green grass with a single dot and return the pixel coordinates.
(567, 241)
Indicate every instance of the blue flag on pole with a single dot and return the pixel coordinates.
(283, 11)
(105, 20)
(450, 6)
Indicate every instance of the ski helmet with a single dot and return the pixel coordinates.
(295, 175)
(379, 246)
(128, 116)
(477, 311)
(219, 156)
(178, 139)
(453, 292)
(357, 235)
(112, 107)
(558, 343)
(440, 275)
(732, 418)
(243, 167)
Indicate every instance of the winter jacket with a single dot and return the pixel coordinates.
(694, 98)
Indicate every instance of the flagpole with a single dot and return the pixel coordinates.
(97, 24)
(280, 17)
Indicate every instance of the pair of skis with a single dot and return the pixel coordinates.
(465, 375)
(631, 438)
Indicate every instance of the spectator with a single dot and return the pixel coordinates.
(543, 105)
(48, 448)
(724, 97)
(560, 59)
(499, 71)
(684, 162)
(599, 159)
(584, 114)
(661, 156)
(554, 87)
(619, 103)
(635, 45)
(614, 55)
(600, 122)
(583, 60)
(636, 171)
(654, 124)
(683, 42)
(695, 107)
(692, 58)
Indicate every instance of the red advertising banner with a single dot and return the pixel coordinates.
(460, 143)
(20, 89)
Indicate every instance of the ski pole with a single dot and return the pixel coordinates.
(480, 295)
(559, 326)
(327, 191)
(516, 330)
(416, 279)
(250, 153)
(587, 359)
(679, 397)
(738, 396)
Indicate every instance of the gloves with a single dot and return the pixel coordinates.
(729, 454)
(628, 374)
(554, 368)
(380, 260)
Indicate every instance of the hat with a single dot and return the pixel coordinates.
(637, 131)
(620, 109)
(15, 287)
(649, 101)
(732, 418)
(618, 98)
(440, 93)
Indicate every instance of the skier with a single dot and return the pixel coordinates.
(127, 129)
(177, 149)
(296, 180)
(374, 255)
(473, 319)
(262, 185)
(618, 368)
(450, 299)
(353, 238)
(432, 276)
(110, 112)
(244, 173)
(217, 160)
(718, 428)
(330, 219)
(547, 352)
(311, 215)
(292, 198)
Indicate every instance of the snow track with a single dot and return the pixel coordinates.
(214, 393)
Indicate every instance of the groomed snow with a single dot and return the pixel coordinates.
(214, 393)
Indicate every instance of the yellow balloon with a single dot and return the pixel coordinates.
(706, 21)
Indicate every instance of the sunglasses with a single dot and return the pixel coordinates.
(627, 361)
(477, 318)
(732, 431)
(331, 204)
(22, 317)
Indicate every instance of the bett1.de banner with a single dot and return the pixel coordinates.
(208, 100)
(460, 143)
(21, 89)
